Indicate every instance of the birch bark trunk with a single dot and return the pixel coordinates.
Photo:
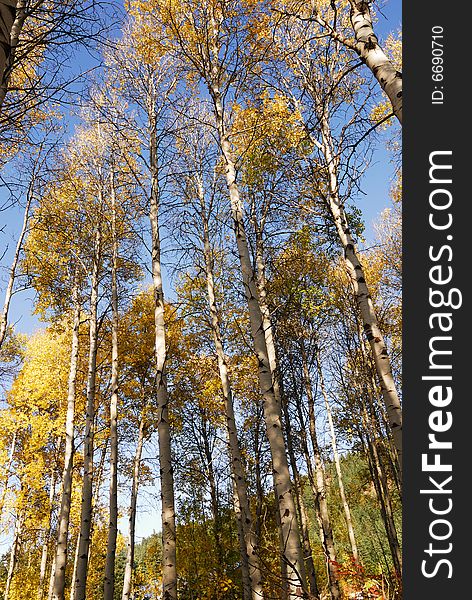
(47, 536)
(59, 564)
(337, 462)
(109, 581)
(215, 508)
(248, 544)
(74, 568)
(169, 568)
(293, 555)
(298, 489)
(128, 577)
(246, 581)
(289, 530)
(51, 578)
(6, 479)
(13, 554)
(87, 483)
(369, 50)
(327, 537)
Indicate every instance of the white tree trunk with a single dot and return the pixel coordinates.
(74, 569)
(298, 491)
(169, 567)
(47, 535)
(60, 562)
(293, 555)
(109, 581)
(337, 462)
(246, 581)
(128, 577)
(249, 559)
(51, 577)
(86, 509)
(369, 50)
(13, 554)
(320, 490)
(6, 479)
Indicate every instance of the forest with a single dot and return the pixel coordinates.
(200, 330)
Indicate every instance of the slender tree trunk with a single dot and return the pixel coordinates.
(362, 294)
(215, 508)
(369, 50)
(246, 581)
(327, 540)
(250, 558)
(12, 274)
(87, 490)
(337, 462)
(74, 569)
(7, 471)
(293, 555)
(13, 554)
(47, 536)
(382, 489)
(51, 577)
(169, 567)
(376, 405)
(298, 491)
(128, 577)
(60, 562)
(109, 582)
(283, 566)
(258, 475)
(264, 305)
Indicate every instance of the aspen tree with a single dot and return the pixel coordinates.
(86, 509)
(337, 462)
(150, 82)
(169, 567)
(369, 49)
(109, 582)
(130, 546)
(195, 160)
(320, 476)
(56, 235)
(331, 18)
